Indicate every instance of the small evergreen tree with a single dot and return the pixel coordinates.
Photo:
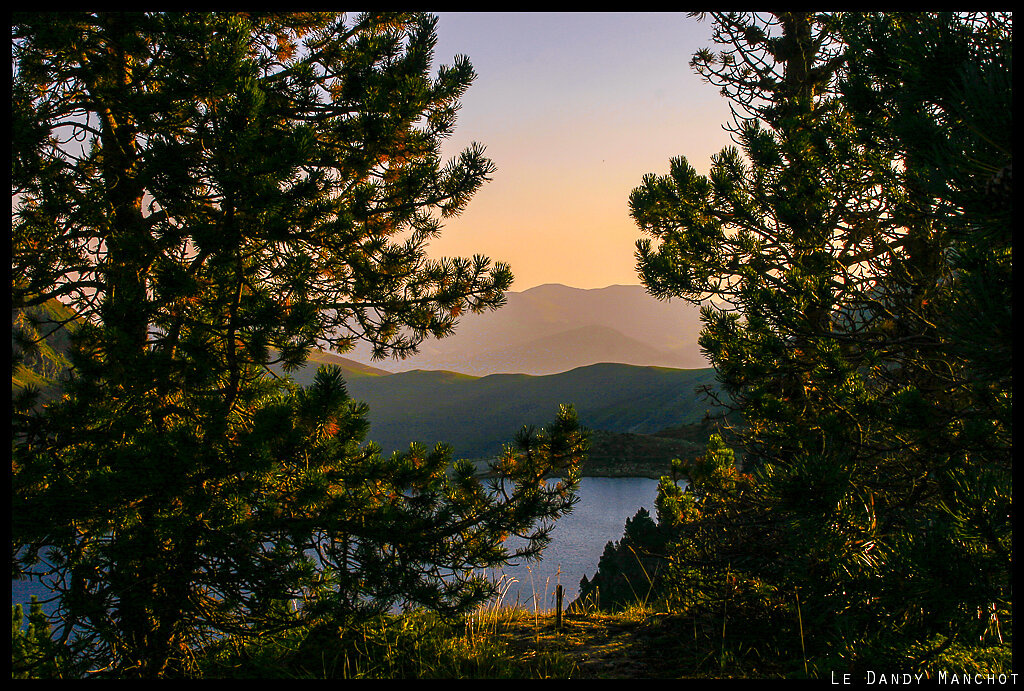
(33, 652)
(629, 569)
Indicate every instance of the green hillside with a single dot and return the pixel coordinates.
(623, 404)
(625, 454)
(476, 415)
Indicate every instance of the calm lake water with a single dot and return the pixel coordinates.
(577, 543)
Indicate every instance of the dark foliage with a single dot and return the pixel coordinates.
(852, 258)
(213, 194)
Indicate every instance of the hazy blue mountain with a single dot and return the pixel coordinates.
(554, 328)
(566, 350)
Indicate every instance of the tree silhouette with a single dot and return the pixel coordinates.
(839, 255)
(213, 194)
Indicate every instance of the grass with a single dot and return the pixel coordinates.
(503, 642)
(491, 644)
(646, 639)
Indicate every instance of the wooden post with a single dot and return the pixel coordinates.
(558, 607)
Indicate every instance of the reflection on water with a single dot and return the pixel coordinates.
(577, 541)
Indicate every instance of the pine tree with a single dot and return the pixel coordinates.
(214, 194)
(773, 234)
(942, 105)
(831, 256)
(628, 571)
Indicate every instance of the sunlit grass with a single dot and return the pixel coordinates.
(412, 645)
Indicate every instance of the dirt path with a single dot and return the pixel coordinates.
(602, 646)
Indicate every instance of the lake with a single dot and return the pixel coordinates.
(577, 543)
(578, 540)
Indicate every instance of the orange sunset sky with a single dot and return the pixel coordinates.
(574, 109)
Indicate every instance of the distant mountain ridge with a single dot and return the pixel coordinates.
(554, 328)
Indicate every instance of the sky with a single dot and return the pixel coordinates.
(574, 109)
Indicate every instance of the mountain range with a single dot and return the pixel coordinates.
(502, 370)
(555, 328)
(629, 364)
(478, 415)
